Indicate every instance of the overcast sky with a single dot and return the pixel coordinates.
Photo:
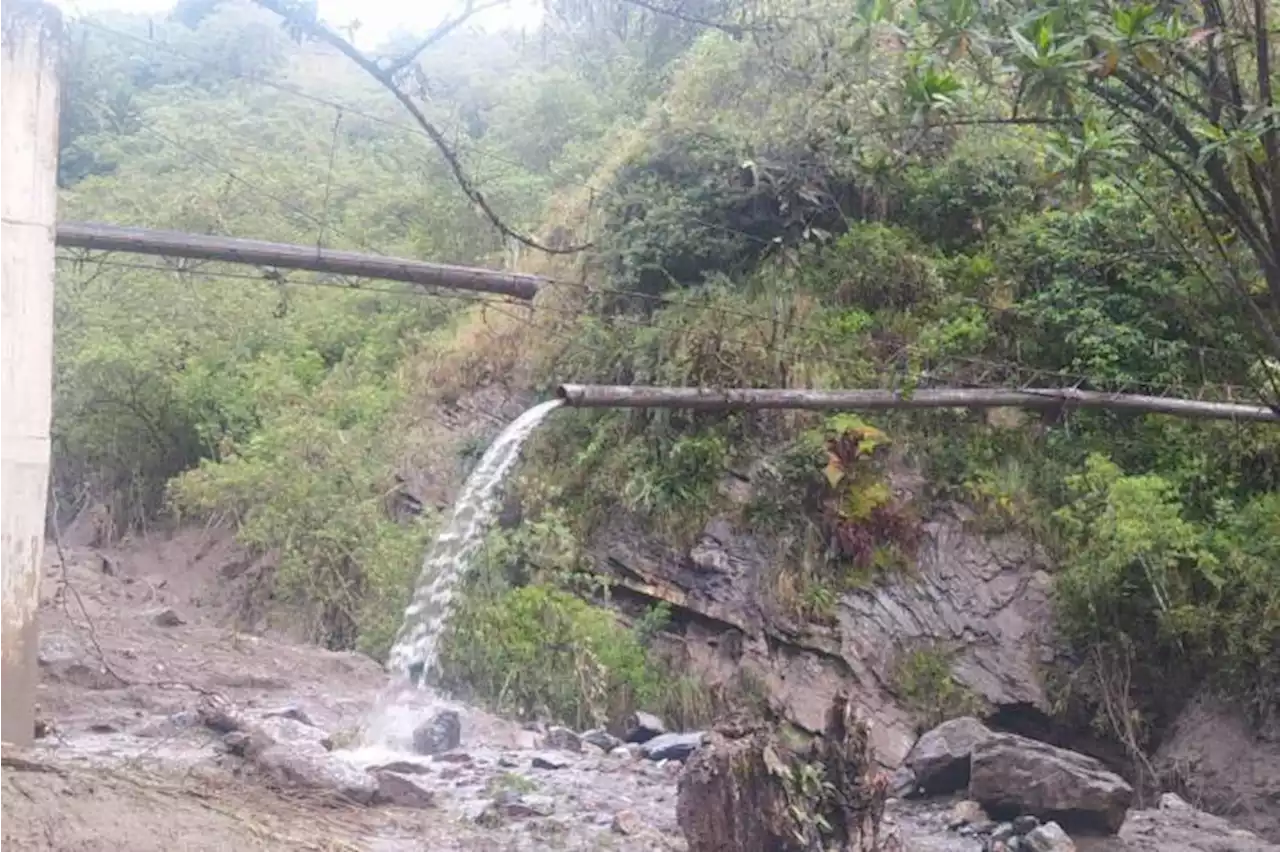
(378, 18)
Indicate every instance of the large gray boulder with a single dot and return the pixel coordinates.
(1012, 775)
(940, 759)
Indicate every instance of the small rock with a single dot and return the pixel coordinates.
(508, 761)
(452, 757)
(518, 806)
(1048, 838)
(1002, 832)
(402, 792)
(626, 823)
(622, 751)
(236, 742)
(1173, 802)
(549, 761)
(562, 738)
(601, 739)
(169, 726)
(103, 728)
(967, 812)
(1025, 824)
(642, 727)
(672, 746)
(167, 617)
(293, 712)
(442, 733)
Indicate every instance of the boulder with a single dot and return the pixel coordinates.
(672, 746)
(1012, 775)
(940, 759)
(317, 770)
(549, 761)
(441, 733)
(641, 727)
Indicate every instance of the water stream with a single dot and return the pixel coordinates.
(413, 656)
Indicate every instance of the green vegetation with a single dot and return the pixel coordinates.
(879, 196)
(924, 683)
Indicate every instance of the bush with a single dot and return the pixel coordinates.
(538, 650)
(1144, 587)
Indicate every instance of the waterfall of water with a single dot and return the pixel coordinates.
(414, 653)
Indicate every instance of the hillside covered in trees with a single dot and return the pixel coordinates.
(795, 194)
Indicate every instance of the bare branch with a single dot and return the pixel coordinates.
(318, 30)
(469, 11)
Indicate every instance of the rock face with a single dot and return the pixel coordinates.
(940, 759)
(1012, 775)
(982, 599)
(1221, 761)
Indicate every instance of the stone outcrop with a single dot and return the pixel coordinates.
(1012, 775)
(1221, 761)
(981, 599)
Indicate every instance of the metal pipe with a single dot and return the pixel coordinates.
(285, 256)
(755, 399)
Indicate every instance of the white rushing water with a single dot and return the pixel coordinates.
(413, 655)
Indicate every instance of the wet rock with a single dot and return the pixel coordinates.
(401, 791)
(167, 617)
(601, 739)
(291, 711)
(441, 733)
(1047, 838)
(939, 760)
(550, 761)
(673, 746)
(453, 757)
(641, 727)
(627, 823)
(1010, 774)
(562, 738)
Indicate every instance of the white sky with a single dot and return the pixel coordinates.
(378, 18)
